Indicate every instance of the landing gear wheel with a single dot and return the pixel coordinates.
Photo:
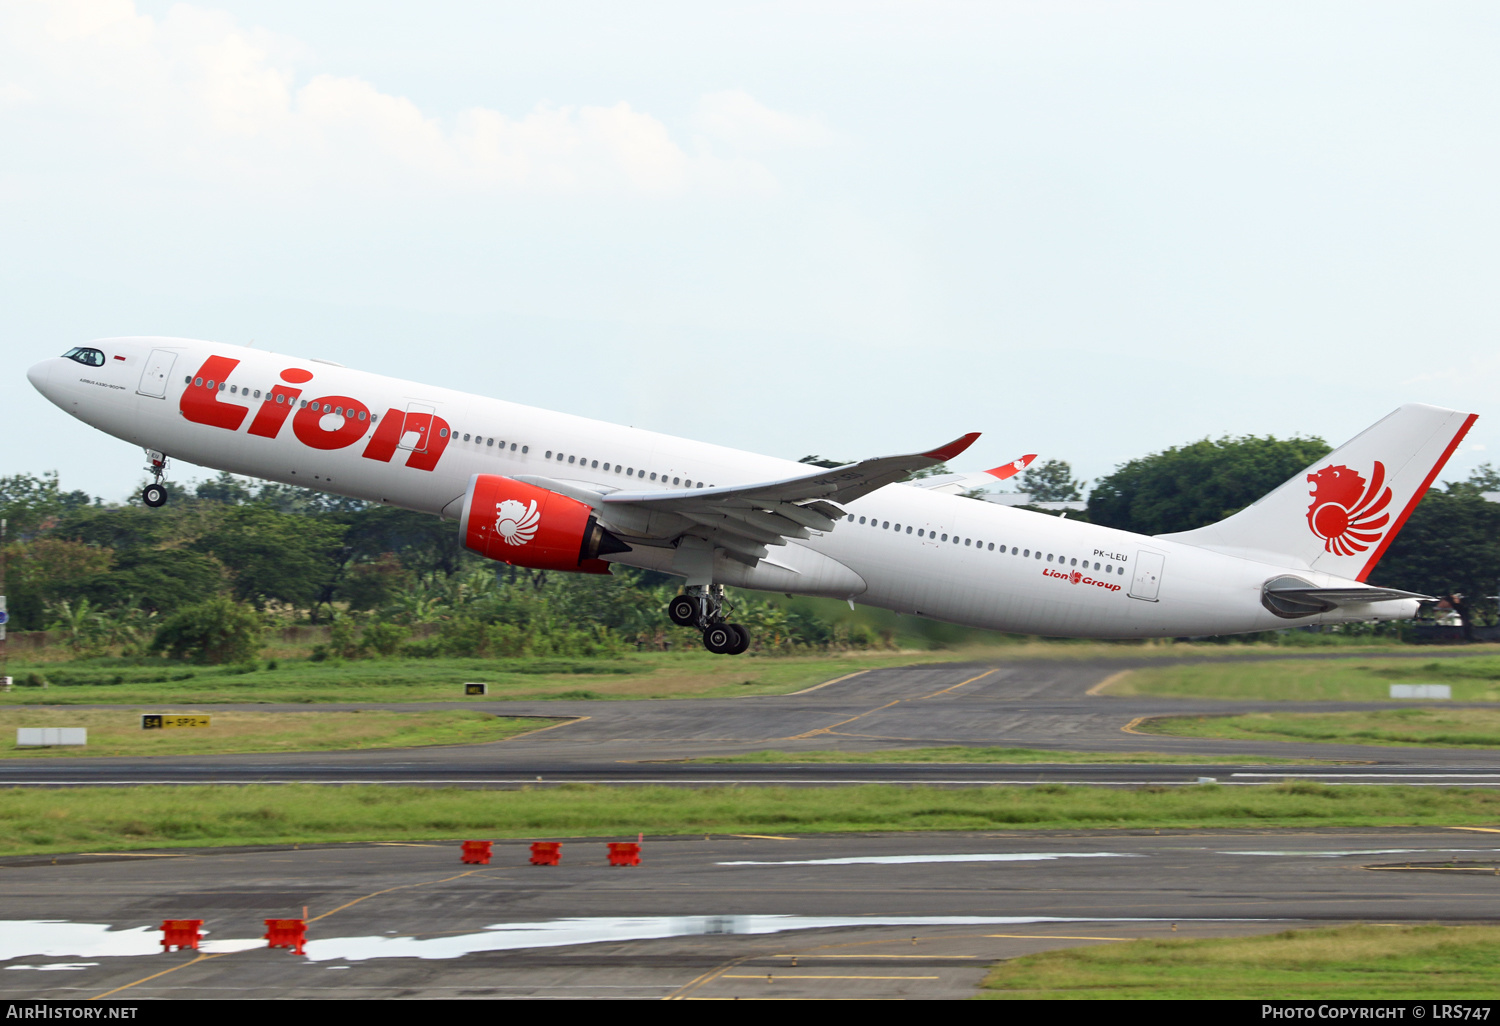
(154, 495)
(740, 646)
(683, 611)
(720, 639)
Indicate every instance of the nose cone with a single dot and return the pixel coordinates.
(40, 376)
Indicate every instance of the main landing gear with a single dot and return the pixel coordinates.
(155, 494)
(703, 607)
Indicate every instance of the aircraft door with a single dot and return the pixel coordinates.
(417, 427)
(154, 377)
(1146, 581)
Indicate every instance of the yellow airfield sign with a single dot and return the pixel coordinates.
(167, 721)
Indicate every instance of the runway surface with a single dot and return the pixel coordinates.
(889, 915)
(1035, 704)
(909, 915)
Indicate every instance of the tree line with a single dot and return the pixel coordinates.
(203, 577)
(389, 581)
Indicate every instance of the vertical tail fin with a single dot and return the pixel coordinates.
(1342, 513)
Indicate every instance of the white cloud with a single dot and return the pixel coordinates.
(737, 118)
(567, 149)
(196, 94)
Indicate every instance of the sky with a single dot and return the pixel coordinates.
(1088, 230)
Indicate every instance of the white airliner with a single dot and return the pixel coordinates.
(553, 491)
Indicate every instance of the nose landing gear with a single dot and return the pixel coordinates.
(703, 607)
(155, 494)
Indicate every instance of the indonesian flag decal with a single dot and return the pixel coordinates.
(1346, 512)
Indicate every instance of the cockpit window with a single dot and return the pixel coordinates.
(87, 357)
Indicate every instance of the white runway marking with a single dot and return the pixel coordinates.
(52, 967)
(1378, 776)
(1364, 851)
(53, 937)
(57, 937)
(900, 860)
(596, 930)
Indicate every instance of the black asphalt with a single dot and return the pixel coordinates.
(410, 920)
(698, 917)
(1042, 704)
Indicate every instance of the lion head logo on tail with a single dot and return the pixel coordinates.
(1346, 513)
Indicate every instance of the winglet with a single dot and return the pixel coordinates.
(944, 453)
(1012, 468)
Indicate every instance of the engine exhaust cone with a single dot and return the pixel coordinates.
(599, 542)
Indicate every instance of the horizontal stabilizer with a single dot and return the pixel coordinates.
(1290, 596)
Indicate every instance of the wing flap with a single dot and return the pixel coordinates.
(840, 484)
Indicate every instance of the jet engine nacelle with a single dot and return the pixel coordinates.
(524, 525)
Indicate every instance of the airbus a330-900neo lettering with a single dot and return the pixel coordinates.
(552, 491)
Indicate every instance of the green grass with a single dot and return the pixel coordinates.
(118, 731)
(1472, 678)
(36, 820)
(1355, 963)
(691, 674)
(686, 673)
(960, 754)
(1424, 727)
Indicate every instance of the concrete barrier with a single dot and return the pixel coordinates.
(1421, 691)
(46, 737)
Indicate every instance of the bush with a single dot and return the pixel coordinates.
(343, 638)
(470, 637)
(463, 636)
(383, 639)
(217, 631)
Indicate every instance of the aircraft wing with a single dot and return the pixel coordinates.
(954, 484)
(836, 484)
(744, 519)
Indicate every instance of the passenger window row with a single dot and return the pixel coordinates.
(885, 525)
(584, 462)
(278, 396)
(488, 442)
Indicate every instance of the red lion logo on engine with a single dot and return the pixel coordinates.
(1348, 515)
